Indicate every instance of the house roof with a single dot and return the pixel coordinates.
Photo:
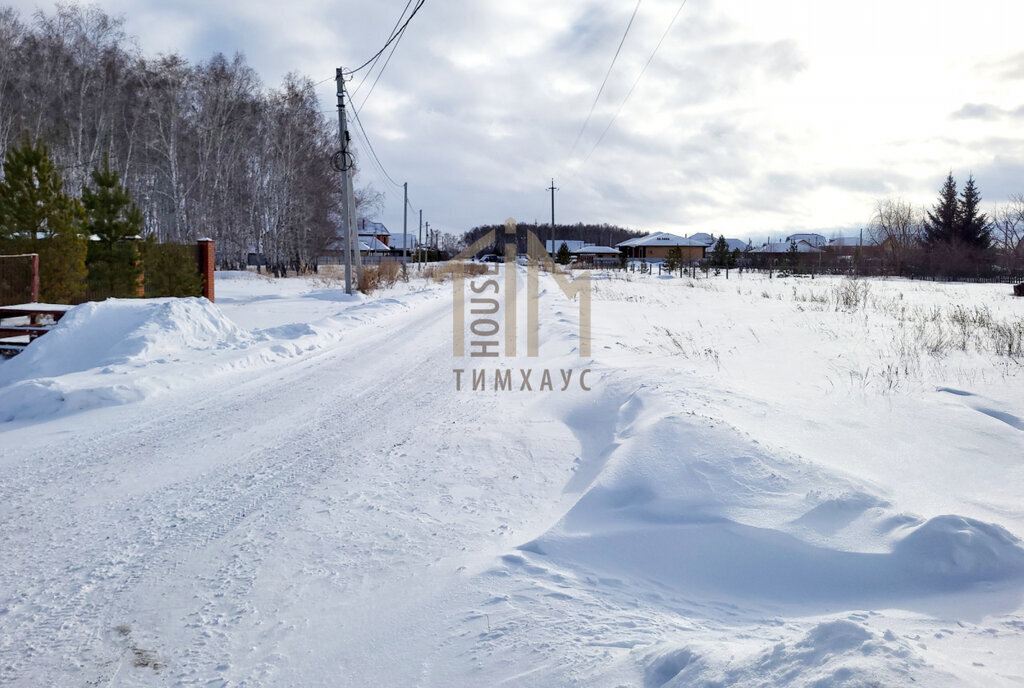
(733, 244)
(703, 237)
(665, 239)
(590, 250)
(571, 244)
(398, 241)
(634, 240)
(809, 237)
(783, 247)
(371, 228)
(369, 243)
(840, 242)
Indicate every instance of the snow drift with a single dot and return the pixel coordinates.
(124, 350)
(87, 359)
(694, 506)
(123, 332)
(832, 653)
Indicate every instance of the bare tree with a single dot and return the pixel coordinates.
(1008, 232)
(205, 149)
(896, 228)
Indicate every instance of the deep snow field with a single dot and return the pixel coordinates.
(772, 482)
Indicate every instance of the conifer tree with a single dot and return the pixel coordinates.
(972, 226)
(113, 261)
(36, 216)
(793, 253)
(941, 225)
(674, 259)
(720, 253)
(564, 255)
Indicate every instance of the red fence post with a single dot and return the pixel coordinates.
(205, 253)
(34, 296)
(140, 281)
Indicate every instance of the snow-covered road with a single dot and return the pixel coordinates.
(231, 528)
(326, 508)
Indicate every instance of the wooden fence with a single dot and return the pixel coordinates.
(19, 279)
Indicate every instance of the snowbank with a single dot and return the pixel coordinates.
(694, 506)
(236, 275)
(124, 332)
(91, 358)
(124, 350)
(832, 653)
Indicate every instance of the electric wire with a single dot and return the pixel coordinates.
(390, 40)
(637, 80)
(369, 146)
(604, 83)
(370, 70)
(374, 84)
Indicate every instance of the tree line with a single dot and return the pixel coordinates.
(599, 234)
(952, 238)
(204, 149)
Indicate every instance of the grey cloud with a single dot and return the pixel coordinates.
(595, 29)
(876, 182)
(1001, 177)
(781, 59)
(984, 111)
(987, 112)
(1012, 67)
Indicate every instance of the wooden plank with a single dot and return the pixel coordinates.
(55, 310)
(10, 312)
(22, 330)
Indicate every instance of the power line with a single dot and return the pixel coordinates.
(386, 62)
(373, 165)
(605, 81)
(369, 145)
(393, 29)
(637, 81)
(390, 40)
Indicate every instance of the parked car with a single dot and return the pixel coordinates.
(491, 258)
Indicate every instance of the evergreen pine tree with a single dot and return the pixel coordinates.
(941, 225)
(36, 216)
(793, 254)
(972, 226)
(564, 255)
(720, 253)
(113, 260)
(674, 259)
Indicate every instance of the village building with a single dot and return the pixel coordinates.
(658, 245)
(597, 256)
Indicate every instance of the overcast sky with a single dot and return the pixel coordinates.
(755, 118)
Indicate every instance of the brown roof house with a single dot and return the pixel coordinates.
(655, 247)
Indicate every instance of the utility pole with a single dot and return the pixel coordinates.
(553, 189)
(419, 247)
(405, 225)
(343, 166)
(428, 241)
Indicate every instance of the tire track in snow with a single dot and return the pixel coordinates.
(60, 605)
